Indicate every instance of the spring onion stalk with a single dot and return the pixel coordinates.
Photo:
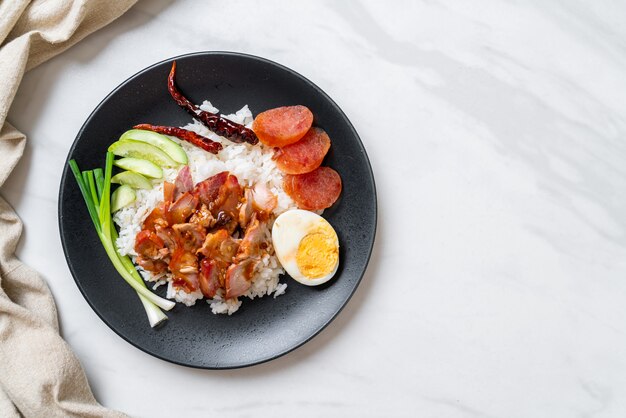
(85, 177)
(96, 188)
(91, 184)
(101, 217)
(155, 315)
(99, 176)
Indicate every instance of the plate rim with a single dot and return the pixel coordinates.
(319, 91)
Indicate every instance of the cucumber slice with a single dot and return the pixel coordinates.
(137, 149)
(140, 166)
(121, 197)
(134, 180)
(170, 147)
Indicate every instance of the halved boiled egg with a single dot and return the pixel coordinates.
(307, 246)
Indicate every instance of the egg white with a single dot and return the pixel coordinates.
(288, 230)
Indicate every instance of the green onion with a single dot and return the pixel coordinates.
(96, 191)
(85, 177)
(91, 184)
(91, 208)
(99, 175)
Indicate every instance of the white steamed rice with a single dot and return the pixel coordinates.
(251, 164)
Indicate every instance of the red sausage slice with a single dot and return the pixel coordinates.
(305, 155)
(316, 190)
(283, 125)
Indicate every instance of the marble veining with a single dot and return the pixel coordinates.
(497, 287)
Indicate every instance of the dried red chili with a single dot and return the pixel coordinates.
(189, 136)
(221, 126)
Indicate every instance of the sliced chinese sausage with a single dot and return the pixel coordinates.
(283, 125)
(316, 190)
(305, 155)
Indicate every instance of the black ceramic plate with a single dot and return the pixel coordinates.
(262, 329)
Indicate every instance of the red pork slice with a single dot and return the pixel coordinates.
(209, 277)
(170, 237)
(153, 266)
(202, 217)
(157, 217)
(184, 268)
(263, 200)
(253, 241)
(305, 155)
(316, 190)
(245, 209)
(150, 250)
(220, 192)
(191, 235)
(183, 182)
(182, 209)
(225, 207)
(208, 190)
(148, 244)
(283, 125)
(228, 197)
(219, 246)
(239, 277)
(168, 191)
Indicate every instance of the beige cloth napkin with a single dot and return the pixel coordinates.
(39, 374)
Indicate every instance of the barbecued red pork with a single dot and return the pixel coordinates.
(210, 236)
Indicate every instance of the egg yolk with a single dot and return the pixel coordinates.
(318, 253)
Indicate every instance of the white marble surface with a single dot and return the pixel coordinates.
(497, 287)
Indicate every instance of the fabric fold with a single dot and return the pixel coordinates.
(39, 374)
